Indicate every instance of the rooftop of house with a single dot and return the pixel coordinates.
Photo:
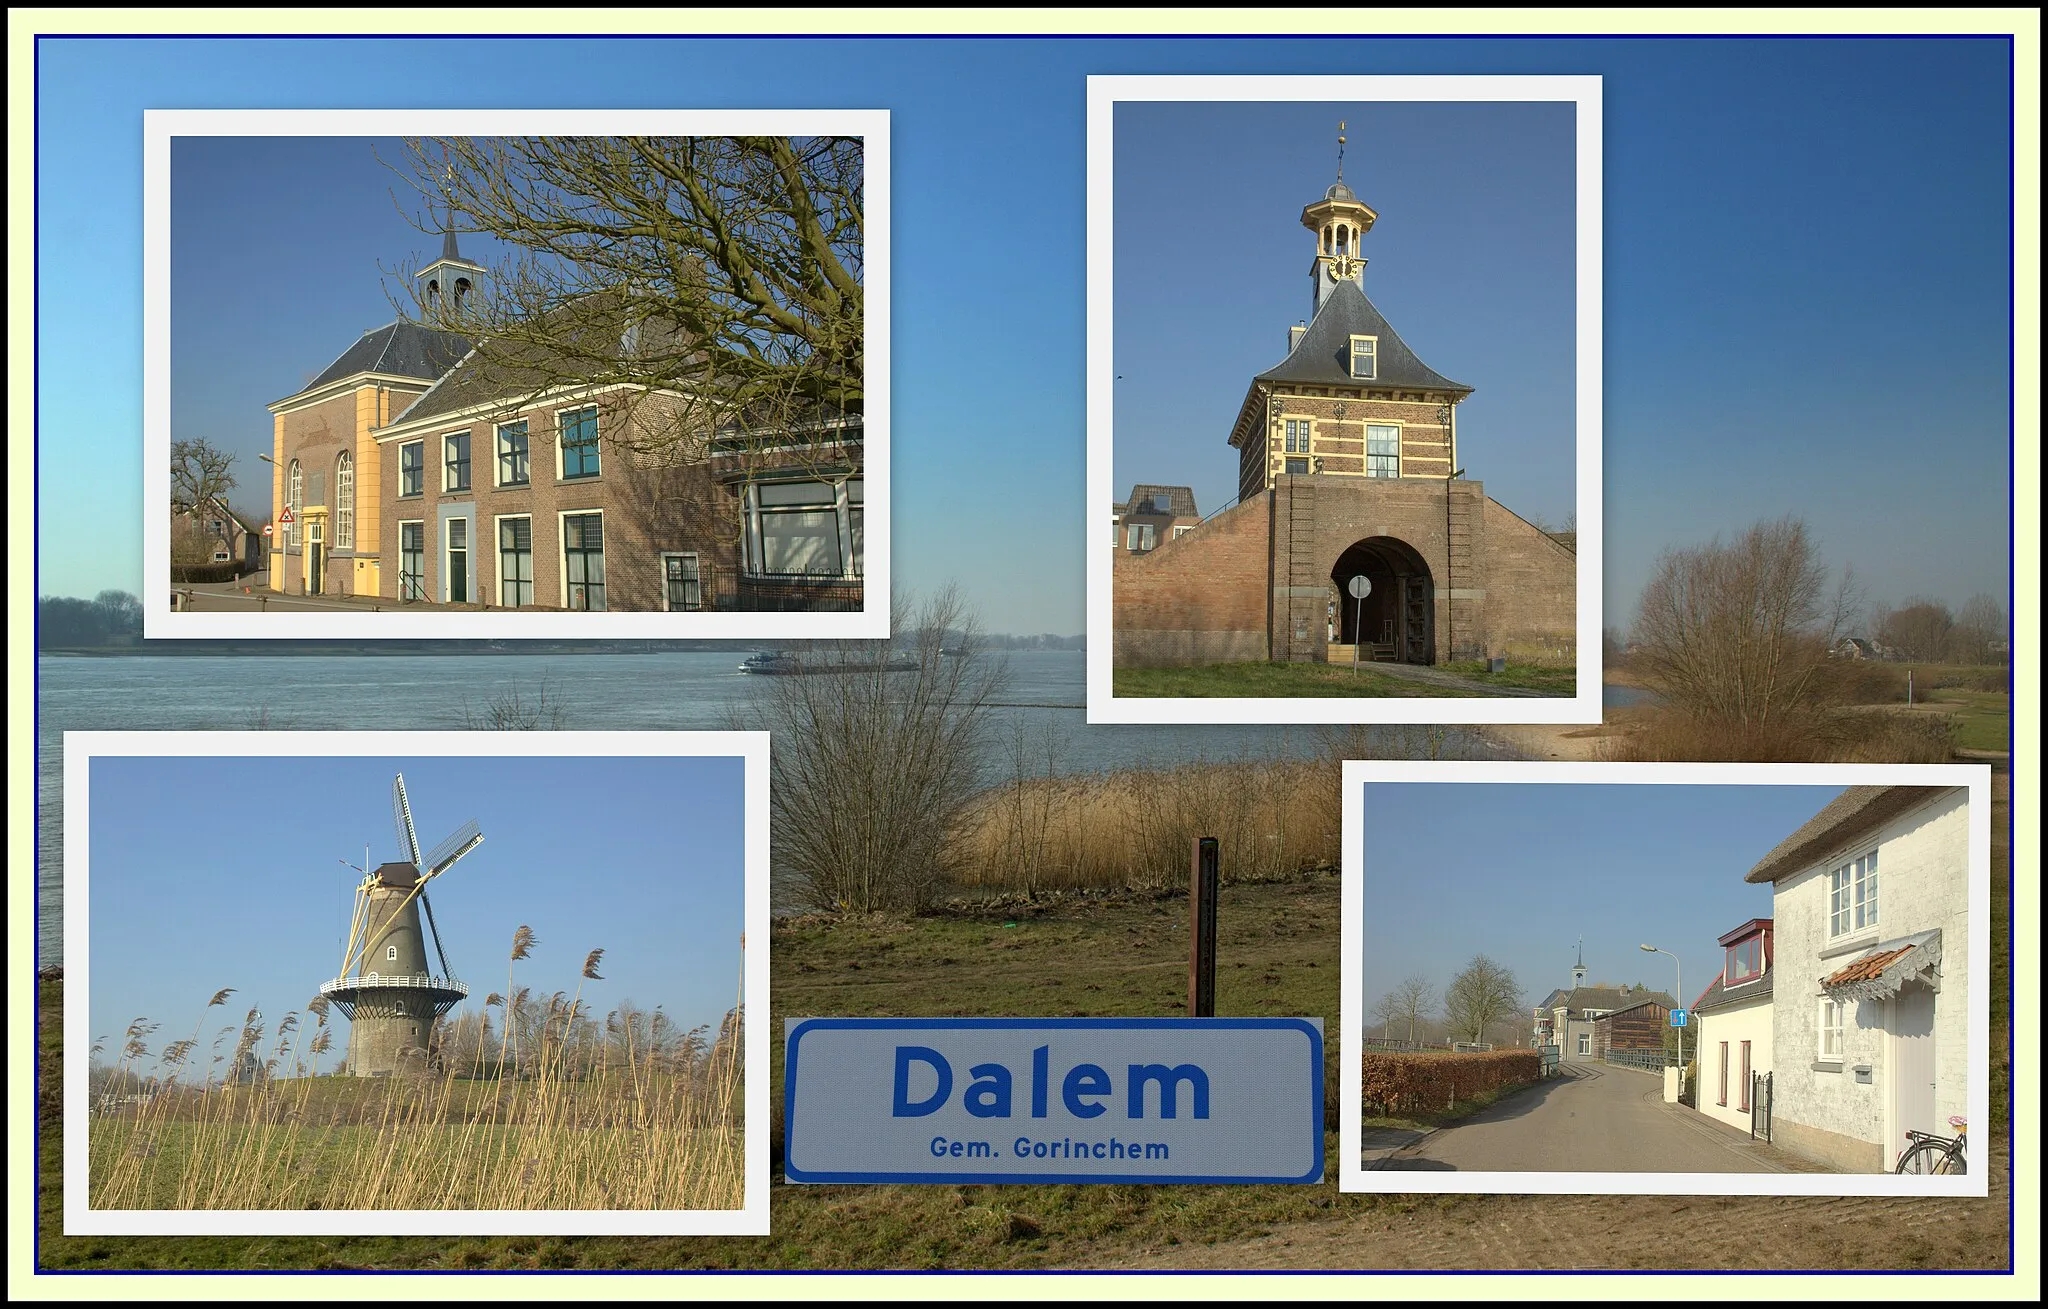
(401, 348)
(1611, 998)
(1720, 995)
(1179, 501)
(1750, 928)
(1854, 812)
(1323, 355)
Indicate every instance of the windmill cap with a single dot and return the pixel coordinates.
(397, 874)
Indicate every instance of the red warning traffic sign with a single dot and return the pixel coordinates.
(285, 518)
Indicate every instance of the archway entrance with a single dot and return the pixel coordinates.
(1397, 620)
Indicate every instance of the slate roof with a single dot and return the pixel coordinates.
(1852, 813)
(1718, 996)
(1323, 358)
(1180, 500)
(402, 348)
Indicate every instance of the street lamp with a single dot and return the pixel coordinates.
(1678, 970)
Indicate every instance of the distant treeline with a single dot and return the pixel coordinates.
(112, 620)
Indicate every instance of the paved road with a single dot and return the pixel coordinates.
(1593, 1118)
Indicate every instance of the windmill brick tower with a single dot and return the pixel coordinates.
(387, 988)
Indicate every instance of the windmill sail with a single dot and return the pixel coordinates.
(457, 844)
(401, 817)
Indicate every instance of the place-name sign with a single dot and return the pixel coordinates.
(1053, 1100)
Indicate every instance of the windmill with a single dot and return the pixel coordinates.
(386, 989)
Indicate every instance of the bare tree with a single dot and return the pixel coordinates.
(723, 275)
(1980, 632)
(878, 749)
(1483, 994)
(514, 709)
(1412, 1000)
(1919, 630)
(201, 477)
(1735, 634)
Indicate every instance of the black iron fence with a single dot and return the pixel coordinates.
(1760, 1106)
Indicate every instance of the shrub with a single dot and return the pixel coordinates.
(1429, 1082)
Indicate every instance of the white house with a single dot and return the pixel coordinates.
(1732, 1025)
(1869, 1026)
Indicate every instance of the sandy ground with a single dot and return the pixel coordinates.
(1551, 740)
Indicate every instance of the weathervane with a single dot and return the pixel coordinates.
(1340, 149)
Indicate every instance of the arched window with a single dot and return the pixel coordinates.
(294, 500)
(345, 502)
(391, 952)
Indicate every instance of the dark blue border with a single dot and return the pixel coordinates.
(792, 1174)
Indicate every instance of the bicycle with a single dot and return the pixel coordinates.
(1939, 1155)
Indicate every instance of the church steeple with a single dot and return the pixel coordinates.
(1579, 968)
(1338, 220)
(447, 285)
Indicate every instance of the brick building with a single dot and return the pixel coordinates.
(1348, 465)
(409, 471)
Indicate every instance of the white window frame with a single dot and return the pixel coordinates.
(1116, 529)
(498, 522)
(842, 507)
(1293, 428)
(345, 501)
(562, 417)
(420, 490)
(1400, 437)
(1858, 891)
(1371, 356)
(295, 501)
(1141, 537)
(498, 453)
(391, 952)
(468, 461)
(662, 561)
(1586, 1043)
(562, 518)
(1180, 530)
(1828, 1008)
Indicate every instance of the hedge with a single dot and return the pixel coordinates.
(191, 574)
(1428, 1082)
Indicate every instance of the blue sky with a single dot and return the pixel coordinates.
(642, 857)
(1471, 260)
(1522, 873)
(1807, 275)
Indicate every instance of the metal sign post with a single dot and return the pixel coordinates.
(1360, 587)
(1202, 880)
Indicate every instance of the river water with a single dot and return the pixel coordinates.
(597, 692)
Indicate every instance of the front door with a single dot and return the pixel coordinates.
(456, 574)
(316, 556)
(1912, 1067)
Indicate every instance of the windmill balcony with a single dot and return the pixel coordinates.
(372, 981)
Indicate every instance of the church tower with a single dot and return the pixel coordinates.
(447, 286)
(1339, 220)
(1579, 968)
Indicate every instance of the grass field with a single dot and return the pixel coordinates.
(1979, 720)
(1267, 679)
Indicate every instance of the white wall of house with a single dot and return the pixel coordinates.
(1823, 1108)
(1749, 1021)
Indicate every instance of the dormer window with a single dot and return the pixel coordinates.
(1365, 352)
(1745, 961)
